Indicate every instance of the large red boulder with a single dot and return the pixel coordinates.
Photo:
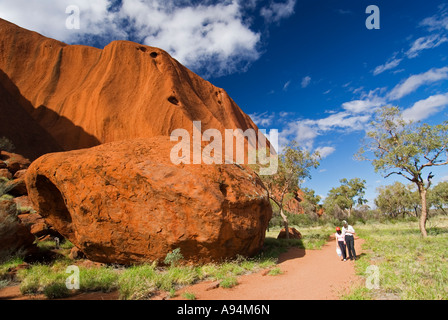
(126, 202)
(293, 234)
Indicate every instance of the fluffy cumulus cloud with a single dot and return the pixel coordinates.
(325, 151)
(49, 17)
(211, 37)
(425, 108)
(363, 105)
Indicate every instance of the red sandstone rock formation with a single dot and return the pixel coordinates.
(84, 96)
(125, 202)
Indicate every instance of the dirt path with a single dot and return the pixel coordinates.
(307, 275)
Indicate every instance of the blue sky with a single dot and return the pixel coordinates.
(309, 68)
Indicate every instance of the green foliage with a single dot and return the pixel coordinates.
(9, 264)
(137, 282)
(43, 279)
(173, 257)
(229, 282)
(406, 148)
(56, 290)
(438, 196)
(311, 201)
(294, 165)
(275, 272)
(410, 268)
(189, 296)
(97, 279)
(346, 196)
(397, 199)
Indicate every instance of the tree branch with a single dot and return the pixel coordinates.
(401, 174)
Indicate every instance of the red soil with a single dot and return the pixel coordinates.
(307, 275)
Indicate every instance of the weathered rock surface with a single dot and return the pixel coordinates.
(80, 96)
(14, 162)
(125, 202)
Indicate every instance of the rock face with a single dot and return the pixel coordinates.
(81, 96)
(12, 182)
(125, 202)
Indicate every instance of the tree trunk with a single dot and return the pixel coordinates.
(424, 214)
(285, 222)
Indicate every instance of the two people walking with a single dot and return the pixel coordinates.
(345, 239)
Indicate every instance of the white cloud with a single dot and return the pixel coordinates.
(286, 86)
(325, 151)
(366, 105)
(426, 108)
(222, 41)
(414, 82)
(306, 81)
(49, 17)
(305, 131)
(387, 66)
(299, 131)
(438, 21)
(263, 119)
(278, 11)
(444, 179)
(423, 43)
(341, 120)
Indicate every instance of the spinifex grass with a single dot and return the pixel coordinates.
(410, 267)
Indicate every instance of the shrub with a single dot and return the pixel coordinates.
(137, 282)
(275, 272)
(98, 279)
(189, 296)
(228, 282)
(173, 257)
(56, 290)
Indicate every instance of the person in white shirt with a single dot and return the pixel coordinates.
(349, 234)
(340, 242)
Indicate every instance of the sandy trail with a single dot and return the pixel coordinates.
(307, 275)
